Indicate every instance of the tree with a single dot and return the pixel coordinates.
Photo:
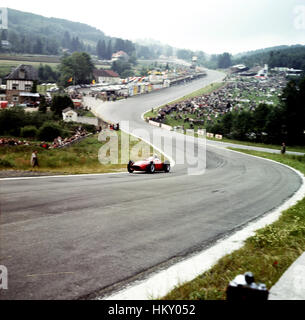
(185, 54)
(52, 46)
(294, 111)
(78, 66)
(122, 68)
(59, 103)
(38, 47)
(169, 51)
(49, 131)
(260, 115)
(34, 87)
(101, 49)
(109, 51)
(119, 45)
(66, 42)
(224, 60)
(29, 132)
(133, 59)
(242, 125)
(43, 105)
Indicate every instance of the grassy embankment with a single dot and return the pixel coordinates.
(79, 158)
(261, 145)
(267, 254)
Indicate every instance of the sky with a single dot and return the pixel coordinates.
(213, 26)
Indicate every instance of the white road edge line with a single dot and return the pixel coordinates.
(161, 283)
(64, 176)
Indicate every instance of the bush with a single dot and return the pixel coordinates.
(29, 132)
(49, 131)
(6, 164)
(11, 120)
(89, 127)
(59, 103)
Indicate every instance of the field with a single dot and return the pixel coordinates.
(8, 62)
(7, 65)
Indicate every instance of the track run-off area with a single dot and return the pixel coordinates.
(87, 236)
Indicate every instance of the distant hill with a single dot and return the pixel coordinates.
(265, 50)
(29, 23)
(30, 33)
(281, 56)
(35, 34)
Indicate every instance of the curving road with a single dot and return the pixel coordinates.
(77, 237)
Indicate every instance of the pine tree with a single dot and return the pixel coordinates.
(99, 50)
(109, 51)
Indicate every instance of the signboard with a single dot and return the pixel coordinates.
(3, 18)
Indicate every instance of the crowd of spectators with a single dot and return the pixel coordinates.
(13, 142)
(59, 142)
(229, 97)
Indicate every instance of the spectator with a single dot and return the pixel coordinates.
(34, 159)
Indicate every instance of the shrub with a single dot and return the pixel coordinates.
(6, 164)
(61, 102)
(49, 131)
(29, 132)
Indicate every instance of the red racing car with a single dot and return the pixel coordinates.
(150, 165)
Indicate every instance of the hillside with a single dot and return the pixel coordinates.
(282, 56)
(29, 23)
(35, 34)
(264, 50)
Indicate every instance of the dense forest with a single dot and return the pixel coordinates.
(284, 56)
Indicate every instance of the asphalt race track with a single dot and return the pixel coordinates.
(77, 237)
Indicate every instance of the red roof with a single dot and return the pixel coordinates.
(105, 73)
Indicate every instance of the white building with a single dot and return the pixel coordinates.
(69, 115)
(106, 76)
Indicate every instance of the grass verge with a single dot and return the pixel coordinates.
(268, 254)
(80, 158)
(261, 145)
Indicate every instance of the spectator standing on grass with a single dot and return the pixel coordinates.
(34, 159)
(283, 148)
